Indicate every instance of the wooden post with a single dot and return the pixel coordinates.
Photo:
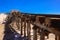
(47, 22)
(35, 29)
(21, 26)
(35, 35)
(42, 36)
(58, 37)
(28, 30)
(37, 20)
(24, 27)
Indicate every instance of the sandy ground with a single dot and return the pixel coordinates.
(1, 31)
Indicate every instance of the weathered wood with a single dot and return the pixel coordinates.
(55, 18)
(34, 32)
(58, 37)
(47, 28)
(35, 35)
(47, 22)
(37, 19)
(42, 36)
(28, 30)
(21, 26)
(24, 27)
(15, 17)
(18, 23)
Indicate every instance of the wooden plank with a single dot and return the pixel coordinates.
(37, 19)
(47, 28)
(35, 35)
(55, 18)
(58, 37)
(42, 36)
(28, 30)
(21, 26)
(47, 22)
(24, 27)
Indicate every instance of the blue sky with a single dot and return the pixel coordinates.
(31, 6)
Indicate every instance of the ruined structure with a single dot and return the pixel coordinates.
(19, 22)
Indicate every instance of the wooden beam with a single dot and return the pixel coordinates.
(47, 22)
(55, 18)
(34, 34)
(24, 27)
(47, 28)
(37, 20)
(42, 36)
(40, 16)
(21, 26)
(28, 30)
(57, 37)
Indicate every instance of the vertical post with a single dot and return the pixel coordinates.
(35, 29)
(58, 37)
(28, 29)
(39, 33)
(19, 20)
(18, 23)
(24, 27)
(47, 22)
(37, 19)
(42, 36)
(35, 34)
(21, 26)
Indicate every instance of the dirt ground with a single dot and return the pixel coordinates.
(1, 31)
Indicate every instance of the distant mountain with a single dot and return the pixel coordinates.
(2, 17)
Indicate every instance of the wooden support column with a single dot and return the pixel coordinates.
(18, 23)
(35, 29)
(37, 19)
(24, 27)
(35, 34)
(58, 37)
(28, 30)
(21, 26)
(47, 22)
(42, 36)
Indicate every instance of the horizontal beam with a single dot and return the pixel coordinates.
(55, 18)
(48, 29)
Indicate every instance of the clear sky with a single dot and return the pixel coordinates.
(31, 6)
